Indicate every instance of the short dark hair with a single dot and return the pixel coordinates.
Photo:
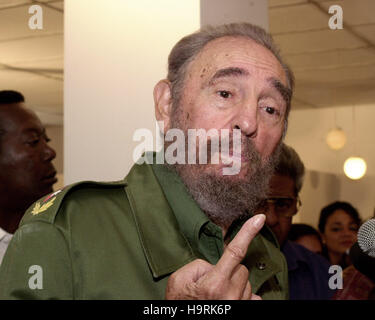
(337, 205)
(299, 230)
(11, 96)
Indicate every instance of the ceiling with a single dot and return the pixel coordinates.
(31, 61)
(332, 67)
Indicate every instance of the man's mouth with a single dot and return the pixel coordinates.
(50, 178)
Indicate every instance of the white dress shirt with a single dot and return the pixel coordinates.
(4, 241)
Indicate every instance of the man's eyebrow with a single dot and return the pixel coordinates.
(35, 130)
(228, 72)
(285, 92)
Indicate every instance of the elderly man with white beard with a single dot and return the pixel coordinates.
(174, 230)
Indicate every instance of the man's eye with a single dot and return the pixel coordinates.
(33, 142)
(224, 94)
(283, 204)
(270, 110)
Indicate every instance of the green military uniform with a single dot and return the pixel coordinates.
(122, 240)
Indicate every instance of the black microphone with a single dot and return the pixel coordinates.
(362, 253)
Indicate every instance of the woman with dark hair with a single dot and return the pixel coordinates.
(338, 225)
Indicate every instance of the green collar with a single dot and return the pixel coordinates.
(156, 223)
(189, 216)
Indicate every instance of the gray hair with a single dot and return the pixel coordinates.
(188, 47)
(291, 165)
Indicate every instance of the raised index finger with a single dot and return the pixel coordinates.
(236, 250)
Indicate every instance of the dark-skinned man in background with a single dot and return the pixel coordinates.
(26, 169)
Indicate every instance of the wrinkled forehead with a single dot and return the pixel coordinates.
(281, 185)
(240, 52)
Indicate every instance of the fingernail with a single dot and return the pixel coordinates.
(259, 220)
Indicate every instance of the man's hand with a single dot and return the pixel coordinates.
(228, 279)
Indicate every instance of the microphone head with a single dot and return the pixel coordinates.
(366, 237)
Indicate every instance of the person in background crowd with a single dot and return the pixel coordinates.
(338, 224)
(306, 236)
(26, 169)
(307, 272)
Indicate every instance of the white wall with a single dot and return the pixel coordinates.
(320, 189)
(308, 129)
(361, 194)
(115, 52)
(325, 181)
(215, 12)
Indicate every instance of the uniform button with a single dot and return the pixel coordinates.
(261, 265)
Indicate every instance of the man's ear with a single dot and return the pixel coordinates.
(163, 102)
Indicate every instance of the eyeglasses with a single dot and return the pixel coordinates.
(285, 207)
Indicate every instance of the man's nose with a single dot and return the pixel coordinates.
(247, 119)
(49, 153)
